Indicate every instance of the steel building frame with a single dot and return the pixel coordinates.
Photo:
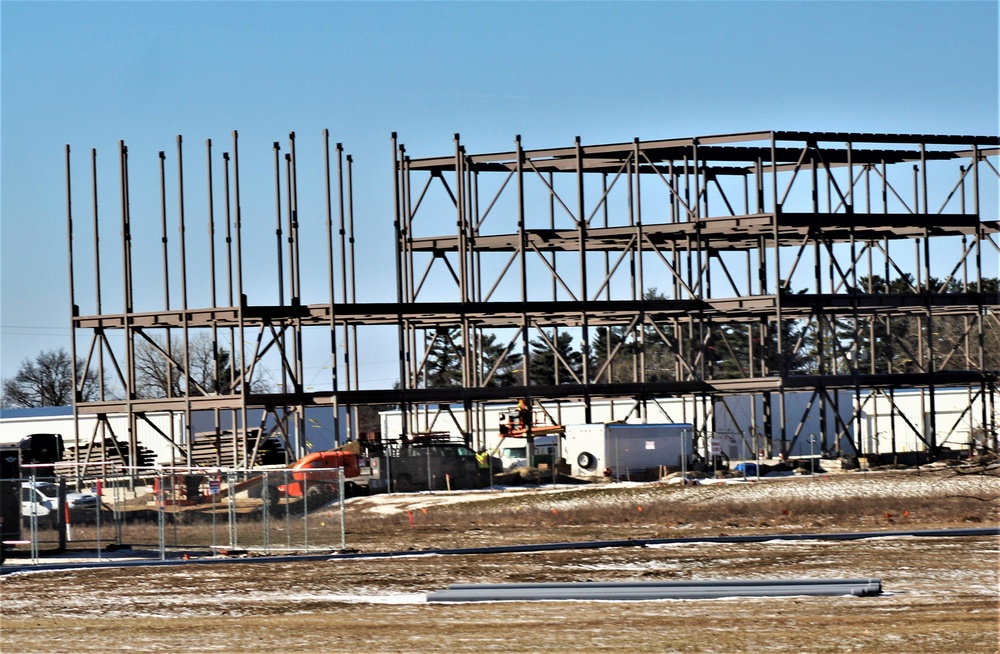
(573, 240)
(735, 217)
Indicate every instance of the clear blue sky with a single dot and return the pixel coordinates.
(88, 74)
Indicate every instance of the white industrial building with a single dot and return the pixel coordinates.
(158, 435)
(901, 421)
(15, 424)
(887, 423)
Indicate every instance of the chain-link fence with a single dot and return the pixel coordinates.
(177, 512)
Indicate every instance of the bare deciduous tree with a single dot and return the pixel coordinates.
(47, 380)
(160, 371)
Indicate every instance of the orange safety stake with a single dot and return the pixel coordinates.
(409, 514)
(69, 525)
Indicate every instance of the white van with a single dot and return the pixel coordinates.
(516, 455)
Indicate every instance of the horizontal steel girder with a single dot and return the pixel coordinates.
(499, 315)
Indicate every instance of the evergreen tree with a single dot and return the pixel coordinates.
(445, 354)
(543, 362)
(444, 360)
(508, 373)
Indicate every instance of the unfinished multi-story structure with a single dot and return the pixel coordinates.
(747, 264)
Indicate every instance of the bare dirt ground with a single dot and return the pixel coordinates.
(940, 594)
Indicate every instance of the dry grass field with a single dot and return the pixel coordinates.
(940, 594)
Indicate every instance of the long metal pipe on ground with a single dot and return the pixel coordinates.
(688, 583)
(543, 547)
(652, 590)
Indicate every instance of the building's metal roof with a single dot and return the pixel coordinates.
(36, 412)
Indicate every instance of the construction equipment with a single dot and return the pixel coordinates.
(318, 473)
(528, 425)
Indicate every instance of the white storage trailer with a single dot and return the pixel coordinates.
(625, 451)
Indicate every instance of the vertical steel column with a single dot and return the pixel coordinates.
(282, 339)
(460, 222)
(872, 347)
(412, 358)
(965, 270)
(821, 319)
(778, 284)
(930, 292)
(522, 262)
(471, 337)
(636, 282)
(762, 290)
(283, 421)
(701, 258)
(331, 283)
(870, 247)
(888, 320)
(276, 147)
(675, 257)
(241, 329)
(188, 428)
(584, 298)
(234, 358)
(97, 283)
(478, 424)
(296, 295)
(343, 260)
(397, 155)
(988, 386)
(556, 371)
(293, 235)
(186, 362)
(78, 383)
(463, 255)
(213, 298)
(127, 292)
(168, 377)
(967, 327)
(855, 360)
(352, 347)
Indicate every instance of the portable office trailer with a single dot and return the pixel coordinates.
(625, 451)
